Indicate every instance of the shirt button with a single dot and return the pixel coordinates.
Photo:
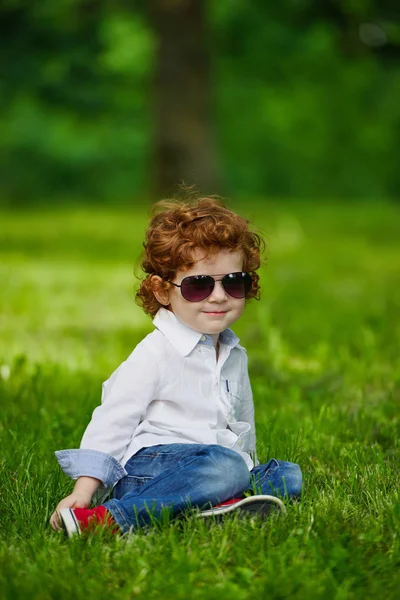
(203, 338)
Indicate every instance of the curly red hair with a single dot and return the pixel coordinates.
(177, 229)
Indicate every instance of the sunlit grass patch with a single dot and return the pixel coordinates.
(325, 369)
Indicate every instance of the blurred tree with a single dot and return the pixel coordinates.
(182, 132)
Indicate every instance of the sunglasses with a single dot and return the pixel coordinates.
(198, 287)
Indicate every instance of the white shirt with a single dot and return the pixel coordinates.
(171, 389)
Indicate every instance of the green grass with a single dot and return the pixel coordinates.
(323, 347)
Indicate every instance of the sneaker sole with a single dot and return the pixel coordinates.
(69, 522)
(261, 505)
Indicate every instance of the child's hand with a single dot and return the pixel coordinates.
(74, 500)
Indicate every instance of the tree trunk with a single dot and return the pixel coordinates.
(183, 140)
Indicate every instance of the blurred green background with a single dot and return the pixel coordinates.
(110, 100)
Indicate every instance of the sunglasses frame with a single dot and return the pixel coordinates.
(222, 277)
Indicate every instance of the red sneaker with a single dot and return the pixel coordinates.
(228, 502)
(76, 521)
(260, 504)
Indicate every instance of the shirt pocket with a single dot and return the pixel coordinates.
(235, 395)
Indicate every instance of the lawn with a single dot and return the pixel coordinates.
(323, 345)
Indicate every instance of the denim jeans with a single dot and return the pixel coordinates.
(179, 476)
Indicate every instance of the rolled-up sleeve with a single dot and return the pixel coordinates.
(90, 463)
(125, 398)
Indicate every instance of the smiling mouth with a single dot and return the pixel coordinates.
(215, 312)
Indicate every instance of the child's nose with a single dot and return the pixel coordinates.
(218, 294)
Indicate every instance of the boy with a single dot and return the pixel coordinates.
(176, 424)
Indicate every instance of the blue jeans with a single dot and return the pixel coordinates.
(179, 476)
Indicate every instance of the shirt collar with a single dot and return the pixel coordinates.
(183, 338)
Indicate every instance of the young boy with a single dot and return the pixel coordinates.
(176, 424)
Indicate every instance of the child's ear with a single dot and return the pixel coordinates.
(159, 292)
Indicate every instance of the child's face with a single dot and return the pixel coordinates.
(219, 310)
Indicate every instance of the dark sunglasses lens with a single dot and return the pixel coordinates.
(197, 288)
(237, 285)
